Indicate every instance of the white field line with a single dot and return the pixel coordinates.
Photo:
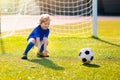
(109, 18)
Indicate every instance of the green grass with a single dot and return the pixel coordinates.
(63, 63)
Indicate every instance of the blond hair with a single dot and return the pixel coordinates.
(44, 18)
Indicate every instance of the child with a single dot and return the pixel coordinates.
(39, 37)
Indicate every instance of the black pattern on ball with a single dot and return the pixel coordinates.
(87, 52)
(80, 54)
(84, 59)
(91, 58)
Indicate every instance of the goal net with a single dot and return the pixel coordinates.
(68, 17)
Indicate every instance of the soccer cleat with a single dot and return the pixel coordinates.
(24, 57)
(44, 56)
(47, 56)
(41, 55)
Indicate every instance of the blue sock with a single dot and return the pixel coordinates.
(29, 46)
(42, 48)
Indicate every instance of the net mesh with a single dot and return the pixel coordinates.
(68, 17)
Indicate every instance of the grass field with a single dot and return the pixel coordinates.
(63, 63)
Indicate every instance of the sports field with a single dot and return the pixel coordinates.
(63, 63)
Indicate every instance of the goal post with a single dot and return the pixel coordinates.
(94, 21)
(68, 17)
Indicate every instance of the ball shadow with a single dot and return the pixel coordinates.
(47, 63)
(91, 65)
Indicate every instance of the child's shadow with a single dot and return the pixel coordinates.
(47, 63)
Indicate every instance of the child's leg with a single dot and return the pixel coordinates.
(42, 48)
(39, 53)
(31, 43)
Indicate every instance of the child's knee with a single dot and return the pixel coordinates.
(45, 42)
(32, 40)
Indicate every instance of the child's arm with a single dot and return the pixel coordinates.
(45, 46)
(38, 43)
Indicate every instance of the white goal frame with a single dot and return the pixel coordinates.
(94, 19)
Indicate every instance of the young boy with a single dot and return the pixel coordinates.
(39, 37)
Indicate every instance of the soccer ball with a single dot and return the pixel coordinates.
(86, 55)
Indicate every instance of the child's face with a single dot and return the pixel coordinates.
(45, 25)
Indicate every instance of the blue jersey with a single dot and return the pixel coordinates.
(38, 32)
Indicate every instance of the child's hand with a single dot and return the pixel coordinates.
(45, 52)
